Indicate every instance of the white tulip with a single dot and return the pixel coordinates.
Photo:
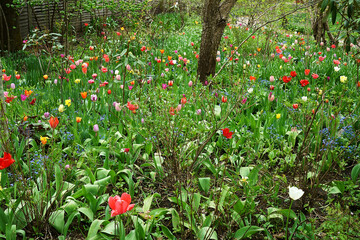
(295, 193)
(250, 90)
(336, 69)
(304, 98)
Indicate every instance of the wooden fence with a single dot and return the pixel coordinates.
(47, 16)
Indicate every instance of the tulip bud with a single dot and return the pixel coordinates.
(96, 128)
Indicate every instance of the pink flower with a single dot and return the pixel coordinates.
(130, 87)
(314, 75)
(120, 205)
(23, 97)
(91, 81)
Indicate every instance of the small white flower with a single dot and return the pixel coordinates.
(295, 193)
(250, 90)
(304, 98)
(336, 69)
(116, 72)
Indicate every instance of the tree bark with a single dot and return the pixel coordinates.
(13, 36)
(320, 27)
(215, 15)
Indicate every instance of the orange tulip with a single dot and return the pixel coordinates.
(83, 95)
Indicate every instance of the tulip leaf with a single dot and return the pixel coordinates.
(204, 233)
(94, 228)
(58, 178)
(167, 233)
(355, 172)
(57, 220)
(87, 212)
(148, 201)
(205, 184)
(247, 231)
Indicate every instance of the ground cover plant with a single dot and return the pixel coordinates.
(112, 135)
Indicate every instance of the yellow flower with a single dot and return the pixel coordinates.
(343, 79)
(244, 66)
(43, 140)
(77, 81)
(122, 28)
(61, 108)
(280, 67)
(278, 116)
(258, 65)
(320, 92)
(68, 102)
(225, 48)
(78, 119)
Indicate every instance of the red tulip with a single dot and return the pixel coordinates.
(304, 82)
(126, 150)
(33, 101)
(295, 106)
(6, 161)
(272, 87)
(307, 72)
(224, 99)
(227, 133)
(286, 79)
(293, 73)
(54, 121)
(109, 91)
(120, 205)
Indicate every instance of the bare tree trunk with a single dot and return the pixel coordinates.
(215, 15)
(320, 27)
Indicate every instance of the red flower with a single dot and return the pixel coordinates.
(304, 82)
(172, 111)
(132, 107)
(54, 121)
(224, 99)
(286, 79)
(9, 99)
(32, 101)
(272, 87)
(183, 100)
(109, 91)
(120, 205)
(293, 73)
(295, 106)
(307, 72)
(6, 161)
(126, 150)
(227, 133)
(86, 24)
(252, 78)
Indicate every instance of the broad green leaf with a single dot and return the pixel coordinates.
(205, 232)
(94, 228)
(247, 231)
(57, 220)
(355, 172)
(205, 184)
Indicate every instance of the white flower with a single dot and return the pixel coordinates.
(336, 69)
(295, 193)
(116, 72)
(304, 98)
(250, 90)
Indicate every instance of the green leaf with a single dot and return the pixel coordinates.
(58, 178)
(324, 4)
(355, 172)
(57, 220)
(204, 233)
(87, 212)
(247, 231)
(204, 184)
(167, 233)
(148, 201)
(94, 228)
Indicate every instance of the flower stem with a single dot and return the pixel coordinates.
(287, 220)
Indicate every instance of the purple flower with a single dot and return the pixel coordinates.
(62, 55)
(96, 128)
(12, 85)
(198, 112)
(164, 86)
(244, 100)
(46, 114)
(130, 87)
